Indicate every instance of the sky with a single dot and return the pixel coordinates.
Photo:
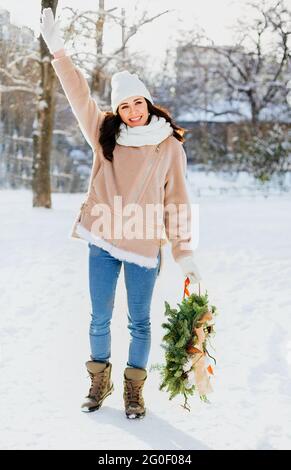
(216, 18)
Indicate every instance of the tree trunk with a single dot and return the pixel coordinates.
(43, 129)
(97, 83)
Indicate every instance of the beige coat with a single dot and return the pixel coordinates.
(146, 175)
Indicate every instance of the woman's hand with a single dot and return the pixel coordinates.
(50, 30)
(189, 269)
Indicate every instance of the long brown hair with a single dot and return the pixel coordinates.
(110, 128)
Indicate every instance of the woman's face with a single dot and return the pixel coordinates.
(134, 111)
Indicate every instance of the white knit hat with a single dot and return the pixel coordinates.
(124, 85)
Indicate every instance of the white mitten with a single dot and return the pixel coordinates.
(50, 30)
(189, 269)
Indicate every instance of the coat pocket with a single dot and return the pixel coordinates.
(81, 210)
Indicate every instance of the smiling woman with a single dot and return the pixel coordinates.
(148, 161)
(134, 112)
(128, 98)
(134, 119)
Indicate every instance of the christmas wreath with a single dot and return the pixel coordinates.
(190, 329)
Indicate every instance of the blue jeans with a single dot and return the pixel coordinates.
(104, 270)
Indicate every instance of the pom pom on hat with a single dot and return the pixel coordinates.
(125, 84)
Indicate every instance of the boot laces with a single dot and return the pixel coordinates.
(133, 391)
(97, 383)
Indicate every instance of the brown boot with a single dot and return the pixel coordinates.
(101, 385)
(134, 379)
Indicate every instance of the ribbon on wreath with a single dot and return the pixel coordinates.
(196, 352)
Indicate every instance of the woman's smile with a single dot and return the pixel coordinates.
(136, 119)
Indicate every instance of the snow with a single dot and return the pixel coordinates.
(227, 111)
(235, 111)
(77, 154)
(42, 104)
(244, 257)
(217, 183)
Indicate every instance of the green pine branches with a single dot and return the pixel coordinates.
(179, 336)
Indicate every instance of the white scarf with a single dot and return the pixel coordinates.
(151, 134)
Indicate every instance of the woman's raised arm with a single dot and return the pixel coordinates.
(73, 81)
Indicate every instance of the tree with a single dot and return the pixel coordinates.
(43, 128)
(245, 83)
(19, 76)
(89, 25)
(258, 67)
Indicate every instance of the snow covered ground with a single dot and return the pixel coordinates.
(244, 255)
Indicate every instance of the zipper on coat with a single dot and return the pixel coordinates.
(149, 175)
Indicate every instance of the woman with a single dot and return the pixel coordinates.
(138, 162)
